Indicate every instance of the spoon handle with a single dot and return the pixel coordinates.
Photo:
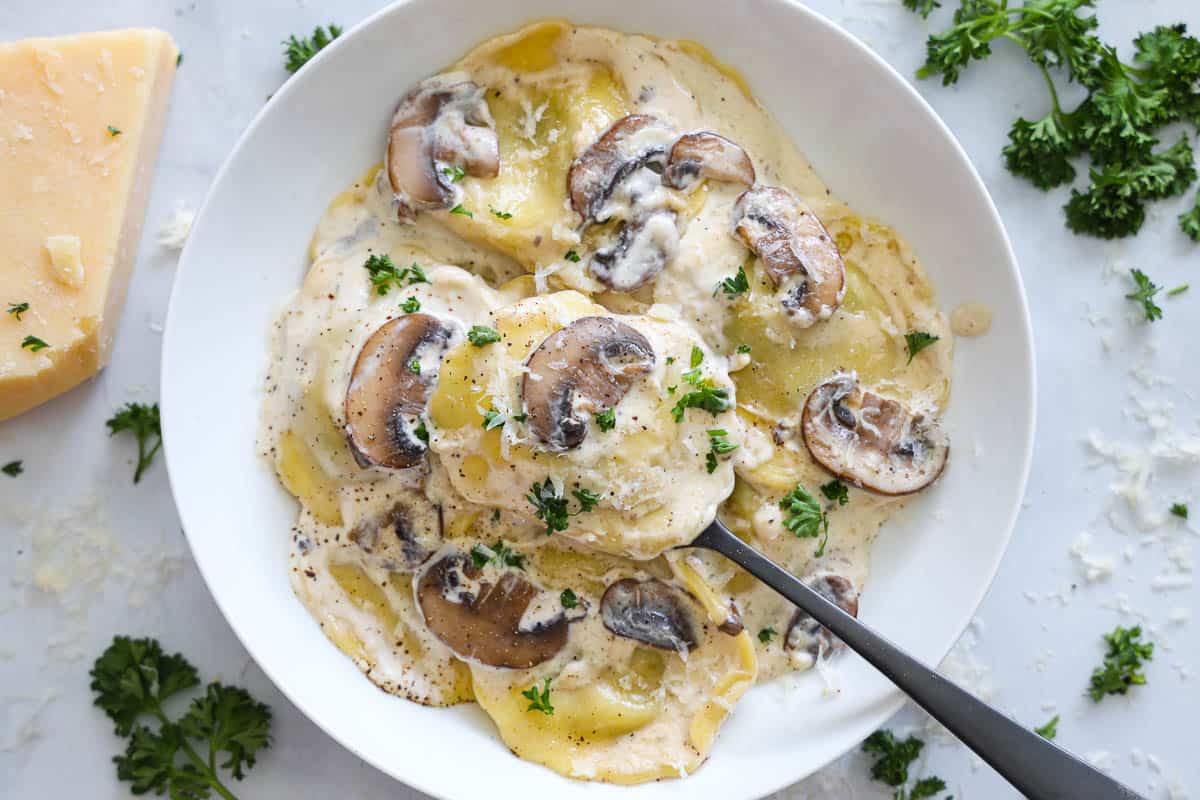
(1034, 765)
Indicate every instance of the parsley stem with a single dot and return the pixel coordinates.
(208, 770)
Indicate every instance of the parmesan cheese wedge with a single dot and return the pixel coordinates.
(80, 122)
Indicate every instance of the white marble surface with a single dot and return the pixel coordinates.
(74, 515)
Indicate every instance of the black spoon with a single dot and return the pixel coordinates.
(1035, 766)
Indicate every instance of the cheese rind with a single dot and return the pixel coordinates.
(72, 197)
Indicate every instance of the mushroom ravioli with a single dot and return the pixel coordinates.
(592, 298)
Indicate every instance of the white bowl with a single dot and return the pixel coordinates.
(879, 147)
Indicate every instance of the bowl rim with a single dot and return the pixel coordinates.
(873, 716)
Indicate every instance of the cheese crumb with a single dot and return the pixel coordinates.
(65, 259)
(174, 232)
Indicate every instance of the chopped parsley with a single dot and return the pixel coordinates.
(1146, 290)
(1180, 510)
(33, 344)
(670, 360)
(384, 273)
(1049, 730)
(767, 634)
(606, 419)
(421, 432)
(143, 422)
(552, 508)
(454, 173)
(836, 491)
(705, 396)
(568, 599)
(492, 419)
(519, 417)
(697, 358)
(892, 759)
(17, 309)
(499, 553)
(479, 335)
(133, 681)
(462, 212)
(916, 341)
(572, 256)
(498, 214)
(1122, 664)
(804, 516)
(178, 59)
(743, 349)
(12, 469)
(539, 702)
(735, 285)
(1178, 290)
(300, 51)
(113, 131)
(415, 366)
(718, 445)
(411, 305)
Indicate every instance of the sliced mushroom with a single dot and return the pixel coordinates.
(798, 254)
(620, 177)
(704, 154)
(805, 634)
(441, 126)
(479, 618)
(871, 441)
(732, 625)
(387, 396)
(632, 143)
(577, 371)
(650, 611)
(404, 536)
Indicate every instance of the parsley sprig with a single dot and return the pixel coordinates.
(707, 395)
(1122, 664)
(539, 702)
(916, 341)
(735, 285)
(551, 507)
(1144, 294)
(300, 51)
(718, 445)
(143, 422)
(892, 759)
(133, 680)
(481, 335)
(1116, 125)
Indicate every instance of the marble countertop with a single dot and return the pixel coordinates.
(89, 555)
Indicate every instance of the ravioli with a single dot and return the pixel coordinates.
(582, 308)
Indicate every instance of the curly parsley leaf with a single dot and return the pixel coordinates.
(499, 553)
(1049, 730)
(922, 7)
(606, 419)
(143, 422)
(706, 396)
(572, 256)
(33, 344)
(1189, 221)
(587, 499)
(892, 756)
(481, 335)
(383, 273)
(539, 702)
(916, 341)
(1146, 290)
(718, 445)
(836, 491)
(804, 516)
(300, 51)
(13, 468)
(1122, 664)
(17, 309)
(568, 599)
(1178, 509)
(551, 507)
(735, 285)
(767, 634)
(411, 306)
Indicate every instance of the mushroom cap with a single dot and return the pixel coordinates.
(630, 143)
(444, 121)
(874, 442)
(386, 398)
(651, 612)
(805, 634)
(402, 537)
(799, 256)
(705, 154)
(480, 619)
(579, 370)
